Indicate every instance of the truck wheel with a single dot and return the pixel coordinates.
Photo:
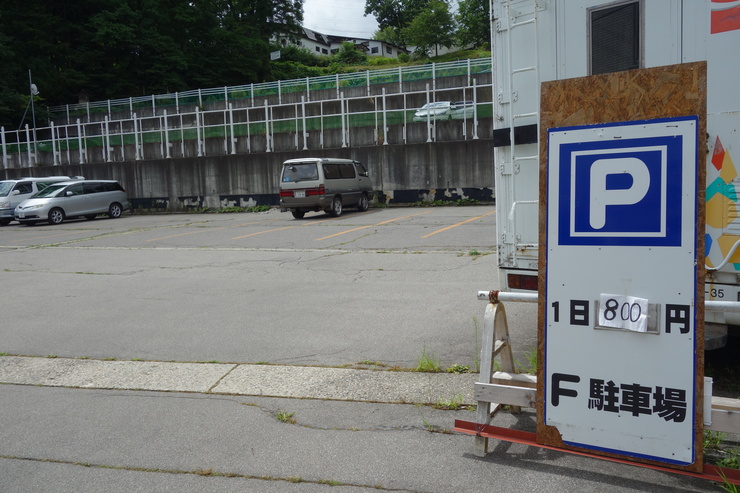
(336, 207)
(298, 214)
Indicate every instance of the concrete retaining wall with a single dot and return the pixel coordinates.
(400, 174)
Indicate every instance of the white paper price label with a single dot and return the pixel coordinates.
(623, 312)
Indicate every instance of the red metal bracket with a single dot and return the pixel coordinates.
(711, 472)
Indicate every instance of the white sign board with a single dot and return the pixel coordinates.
(620, 288)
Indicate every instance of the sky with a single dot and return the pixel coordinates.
(339, 17)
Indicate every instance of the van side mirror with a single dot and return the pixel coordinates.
(15, 192)
(68, 193)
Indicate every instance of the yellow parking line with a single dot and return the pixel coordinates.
(371, 225)
(458, 224)
(207, 230)
(32, 238)
(279, 229)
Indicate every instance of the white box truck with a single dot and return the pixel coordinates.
(534, 41)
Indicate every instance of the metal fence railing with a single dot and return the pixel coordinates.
(254, 94)
(314, 121)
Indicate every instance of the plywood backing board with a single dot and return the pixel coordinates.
(637, 95)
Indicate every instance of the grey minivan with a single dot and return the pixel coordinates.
(13, 192)
(323, 184)
(66, 200)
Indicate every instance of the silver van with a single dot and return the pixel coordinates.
(323, 184)
(66, 200)
(13, 192)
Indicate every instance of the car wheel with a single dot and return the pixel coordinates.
(298, 214)
(4, 222)
(56, 216)
(114, 210)
(336, 207)
(364, 203)
(90, 217)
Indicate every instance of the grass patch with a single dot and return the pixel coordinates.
(453, 405)
(531, 365)
(713, 439)
(428, 363)
(458, 369)
(731, 459)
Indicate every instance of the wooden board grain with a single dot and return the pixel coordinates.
(644, 94)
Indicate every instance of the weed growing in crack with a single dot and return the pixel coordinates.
(427, 362)
(286, 417)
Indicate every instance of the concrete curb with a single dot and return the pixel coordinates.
(241, 379)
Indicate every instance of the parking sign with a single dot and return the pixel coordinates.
(620, 288)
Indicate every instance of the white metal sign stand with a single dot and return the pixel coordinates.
(620, 289)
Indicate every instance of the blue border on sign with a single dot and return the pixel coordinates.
(653, 220)
(546, 293)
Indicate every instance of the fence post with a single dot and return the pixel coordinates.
(2, 142)
(475, 111)
(231, 128)
(341, 113)
(79, 142)
(249, 138)
(28, 145)
(429, 118)
(303, 122)
(137, 155)
(166, 136)
(106, 141)
(53, 146)
(385, 122)
(267, 128)
(197, 130)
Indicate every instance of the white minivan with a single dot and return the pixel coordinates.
(323, 184)
(13, 192)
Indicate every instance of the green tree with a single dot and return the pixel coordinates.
(433, 27)
(349, 54)
(119, 48)
(389, 35)
(395, 16)
(474, 26)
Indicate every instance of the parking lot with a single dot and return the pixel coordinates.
(386, 285)
(117, 311)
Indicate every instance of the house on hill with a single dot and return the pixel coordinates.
(325, 44)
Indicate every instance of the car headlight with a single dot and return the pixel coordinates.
(4, 205)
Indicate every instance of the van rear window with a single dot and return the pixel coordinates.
(300, 172)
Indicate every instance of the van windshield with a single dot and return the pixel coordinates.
(300, 172)
(5, 188)
(49, 191)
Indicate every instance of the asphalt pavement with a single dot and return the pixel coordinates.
(257, 353)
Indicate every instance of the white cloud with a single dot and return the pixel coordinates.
(339, 17)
